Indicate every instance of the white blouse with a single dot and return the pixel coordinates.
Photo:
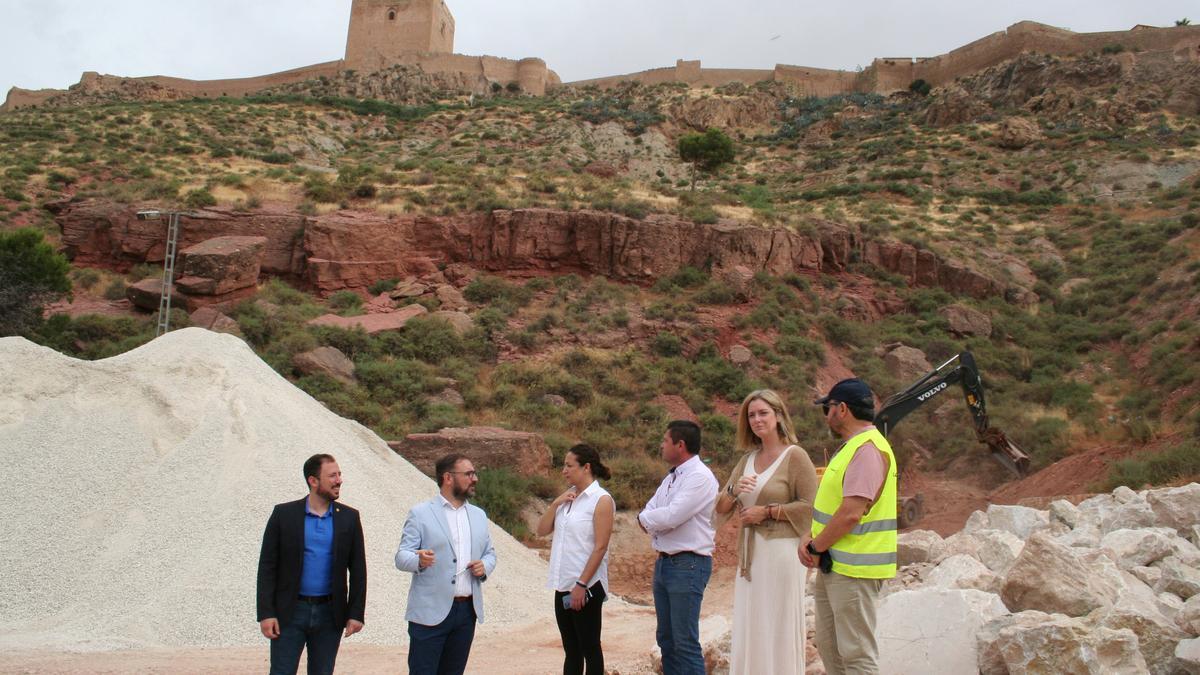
(574, 540)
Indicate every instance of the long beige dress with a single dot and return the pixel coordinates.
(768, 608)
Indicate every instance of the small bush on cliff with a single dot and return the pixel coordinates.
(199, 199)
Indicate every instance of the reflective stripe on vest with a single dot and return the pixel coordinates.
(869, 550)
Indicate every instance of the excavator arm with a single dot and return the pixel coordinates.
(959, 370)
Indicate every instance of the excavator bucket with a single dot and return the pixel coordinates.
(1006, 452)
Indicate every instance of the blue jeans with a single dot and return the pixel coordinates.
(310, 625)
(679, 583)
(442, 649)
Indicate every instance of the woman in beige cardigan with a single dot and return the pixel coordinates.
(772, 487)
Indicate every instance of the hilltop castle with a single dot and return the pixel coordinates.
(420, 33)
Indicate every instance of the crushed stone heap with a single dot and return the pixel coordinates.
(139, 487)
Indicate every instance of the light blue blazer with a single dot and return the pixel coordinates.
(432, 589)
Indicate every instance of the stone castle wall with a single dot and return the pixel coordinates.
(381, 31)
(887, 75)
(384, 33)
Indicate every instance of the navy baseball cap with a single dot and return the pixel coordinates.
(853, 392)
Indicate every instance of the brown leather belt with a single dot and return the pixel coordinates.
(462, 598)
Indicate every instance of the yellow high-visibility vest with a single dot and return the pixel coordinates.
(869, 550)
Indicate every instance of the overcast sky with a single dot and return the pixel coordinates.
(49, 43)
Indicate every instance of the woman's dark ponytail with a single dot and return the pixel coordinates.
(586, 454)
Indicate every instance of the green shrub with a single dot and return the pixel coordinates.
(667, 344)
(716, 293)
(503, 494)
(345, 301)
(391, 381)
(805, 349)
(382, 286)
(428, 339)
(1175, 463)
(200, 198)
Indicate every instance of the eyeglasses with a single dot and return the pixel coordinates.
(468, 474)
(826, 407)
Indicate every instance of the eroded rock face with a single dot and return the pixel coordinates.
(352, 250)
(487, 447)
(908, 362)
(1015, 133)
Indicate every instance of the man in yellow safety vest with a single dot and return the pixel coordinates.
(853, 539)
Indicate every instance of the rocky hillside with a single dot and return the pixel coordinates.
(1053, 203)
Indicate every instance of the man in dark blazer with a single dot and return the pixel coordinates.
(308, 548)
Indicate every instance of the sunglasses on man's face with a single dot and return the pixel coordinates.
(826, 407)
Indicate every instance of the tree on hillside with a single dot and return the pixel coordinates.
(706, 151)
(1184, 22)
(31, 275)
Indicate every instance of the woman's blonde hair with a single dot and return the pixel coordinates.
(746, 440)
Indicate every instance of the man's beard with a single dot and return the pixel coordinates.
(464, 493)
(327, 494)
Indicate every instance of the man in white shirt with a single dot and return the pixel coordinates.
(447, 548)
(679, 521)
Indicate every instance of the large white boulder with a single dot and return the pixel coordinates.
(1136, 548)
(1019, 520)
(1178, 578)
(1147, 575)
(1045, 645)
(1063, 511)
(998, 549)
(1188, 618)
(1187, 656)
(1157, 634)
(916, 546)
(1177, 508)
(1051, 577)
(1087, 535)
(932, 630)
(978, 520)
(963, 571)
(959, 543)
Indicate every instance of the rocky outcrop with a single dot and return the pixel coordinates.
(352, 250)
(966, 322)
(906, 362)
(1015, 133)
(488, 448)
(328, 361)
(372, 323)
(220, 265)
(211, 319)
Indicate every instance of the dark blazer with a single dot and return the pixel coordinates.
(282, 558)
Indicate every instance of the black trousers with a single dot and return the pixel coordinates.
(580, 633)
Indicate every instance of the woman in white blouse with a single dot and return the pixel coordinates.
(582, 520)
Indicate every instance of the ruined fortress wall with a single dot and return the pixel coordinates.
(383, 30)
(816, 81)
(94, 83)
(531, 74)
(248, 85)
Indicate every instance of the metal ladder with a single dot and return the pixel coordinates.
(168, 279)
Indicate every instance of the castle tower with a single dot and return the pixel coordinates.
(382, 30)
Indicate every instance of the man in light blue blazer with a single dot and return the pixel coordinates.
(447, 548)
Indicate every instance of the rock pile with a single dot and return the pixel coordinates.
(142, 483)
(1109, 586)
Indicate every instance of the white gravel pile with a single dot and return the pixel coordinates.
(137, 489)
